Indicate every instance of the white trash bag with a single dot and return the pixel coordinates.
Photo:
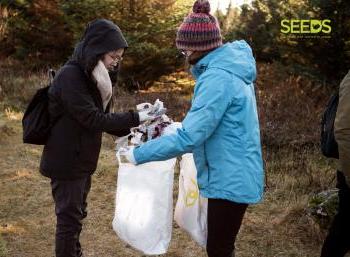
(191, 208)
(144, 205)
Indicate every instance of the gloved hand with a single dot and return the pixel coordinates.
(144, 109)
(148, 111)
(146, 116)
(127, 154)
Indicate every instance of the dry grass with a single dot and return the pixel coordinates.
(3, 249)
(290, 107)
(27, 213)
(278, 227)
(17, 85)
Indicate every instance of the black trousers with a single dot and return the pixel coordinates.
(224, 221)
(70, 208)
(337, 243)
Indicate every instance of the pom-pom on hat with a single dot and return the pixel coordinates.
(200, 31)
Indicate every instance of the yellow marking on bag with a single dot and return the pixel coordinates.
(192, 195)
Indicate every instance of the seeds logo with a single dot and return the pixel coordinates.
(306, 28)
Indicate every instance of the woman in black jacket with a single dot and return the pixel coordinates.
(79, 107)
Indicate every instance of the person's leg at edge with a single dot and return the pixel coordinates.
(337, 242)
(69, 205)
(84, 210)
(224, 221)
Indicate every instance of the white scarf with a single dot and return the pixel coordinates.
(104, 83)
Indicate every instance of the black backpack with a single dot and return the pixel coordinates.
(36, 120)
(329, 146)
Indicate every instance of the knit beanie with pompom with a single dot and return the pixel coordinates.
(200, 31)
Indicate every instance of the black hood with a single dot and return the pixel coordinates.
(101, 36)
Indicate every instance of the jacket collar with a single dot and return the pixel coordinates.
(202, 65)
(91, 85)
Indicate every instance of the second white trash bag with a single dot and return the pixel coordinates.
(144, 205)
(191, 208)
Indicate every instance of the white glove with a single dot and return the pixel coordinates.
(145, 116)
(144, 110)
(127, 154)
(144, 107)
(148, 112)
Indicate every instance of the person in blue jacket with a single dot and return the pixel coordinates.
(221, 128)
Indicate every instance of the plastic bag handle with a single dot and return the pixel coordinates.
(118, 158)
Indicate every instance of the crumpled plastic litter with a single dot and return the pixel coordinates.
(148, 130)
(157, 109)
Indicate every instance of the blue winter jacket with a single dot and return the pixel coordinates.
(221, 128)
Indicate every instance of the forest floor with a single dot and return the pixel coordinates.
(277, 227)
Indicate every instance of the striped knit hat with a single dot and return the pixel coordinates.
(200, 31)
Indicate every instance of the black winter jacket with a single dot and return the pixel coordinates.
(76, 110)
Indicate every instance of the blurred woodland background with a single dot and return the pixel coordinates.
(41, 32)
(296, 76)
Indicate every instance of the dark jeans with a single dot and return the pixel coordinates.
(337, 243)
(70, 208)
(224, 221)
